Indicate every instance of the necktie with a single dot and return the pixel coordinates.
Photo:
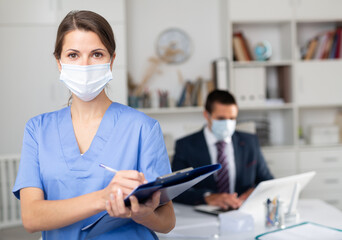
(222, 174)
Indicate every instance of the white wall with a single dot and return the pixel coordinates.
(29, 77)
(146, 19)
(28, 72)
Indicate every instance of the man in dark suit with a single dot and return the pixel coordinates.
(243, 165)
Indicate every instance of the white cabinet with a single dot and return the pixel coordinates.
(320, 160)
(28, 11)
(327, 184)
(318, 83)
(281, 163)
(308, 93)
(313, 10)
(261, 10)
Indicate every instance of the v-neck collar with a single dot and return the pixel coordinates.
(70, 148)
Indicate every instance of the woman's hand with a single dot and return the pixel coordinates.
(138, 212)
(141, 211)
(126, 180)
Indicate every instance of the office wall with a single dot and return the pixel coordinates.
(146, 19)
(29, 76)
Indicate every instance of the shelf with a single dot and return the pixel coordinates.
(320, 146)
(320, 60)
(279, 148)
(173, 110)
(285, 106)
(317, 106)
(262, 64)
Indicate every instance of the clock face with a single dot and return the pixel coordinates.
(174, 46)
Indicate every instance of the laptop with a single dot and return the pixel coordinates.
(286, 188)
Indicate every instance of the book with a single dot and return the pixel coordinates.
(195, 92)
(245, 48)
(312, 46)
(321, 40)
(333, 46)
(220, 73)
(238, 48)
(338, 44)
(327, 45)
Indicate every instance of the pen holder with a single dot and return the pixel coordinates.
(274, 213)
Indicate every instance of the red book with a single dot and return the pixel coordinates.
(338, 46)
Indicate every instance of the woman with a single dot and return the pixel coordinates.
(60, 184)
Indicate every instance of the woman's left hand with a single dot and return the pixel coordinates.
(138, 212)
(141, 211)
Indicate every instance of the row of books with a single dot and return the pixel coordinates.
(194, 93)
(241, 48)
(326, 45)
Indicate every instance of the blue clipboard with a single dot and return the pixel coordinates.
(170, 186)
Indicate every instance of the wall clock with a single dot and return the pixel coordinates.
(174, 46)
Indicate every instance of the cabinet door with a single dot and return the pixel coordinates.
(112, 10)
(320, 160)
(28, 11)
(314, 10)
(326, 180)
(281, 163)
(318, 83)
(261, 10)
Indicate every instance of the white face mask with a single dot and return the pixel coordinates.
(223, 128)
(86, 81)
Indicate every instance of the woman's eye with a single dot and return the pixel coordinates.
(97, 55)
(72, 55)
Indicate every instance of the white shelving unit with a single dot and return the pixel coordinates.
(313, 88)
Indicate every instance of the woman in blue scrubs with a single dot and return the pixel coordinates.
(60, 184)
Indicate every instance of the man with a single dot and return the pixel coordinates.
(243, 165)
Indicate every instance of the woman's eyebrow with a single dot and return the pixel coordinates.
(72, 50)
(98, 49)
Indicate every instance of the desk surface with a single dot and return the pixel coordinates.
(194, 225)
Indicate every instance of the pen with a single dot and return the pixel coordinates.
(108, 168)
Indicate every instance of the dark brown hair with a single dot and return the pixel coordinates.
(87, 21)
(219, 96)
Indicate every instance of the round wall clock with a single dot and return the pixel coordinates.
(173, 46)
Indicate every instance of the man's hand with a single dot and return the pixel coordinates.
(246, 194)
(223, 200)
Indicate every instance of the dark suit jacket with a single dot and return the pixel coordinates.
(192, 151)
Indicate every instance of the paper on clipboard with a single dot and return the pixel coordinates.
(303, 231)
(170, 187)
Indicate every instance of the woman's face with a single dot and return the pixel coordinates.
(83, 48)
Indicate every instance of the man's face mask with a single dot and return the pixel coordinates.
(223, 128)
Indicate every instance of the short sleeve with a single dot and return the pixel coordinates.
(28, 173)
(154, 160)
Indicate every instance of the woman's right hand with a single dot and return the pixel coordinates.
(123, 183)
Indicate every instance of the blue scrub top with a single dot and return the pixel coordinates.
(50, 160)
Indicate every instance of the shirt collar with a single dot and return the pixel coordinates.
(210, 137)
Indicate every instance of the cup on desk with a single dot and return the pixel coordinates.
(274, 213)
(235, 222)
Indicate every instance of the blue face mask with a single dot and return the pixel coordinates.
(223, 128)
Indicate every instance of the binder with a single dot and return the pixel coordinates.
(170, 186)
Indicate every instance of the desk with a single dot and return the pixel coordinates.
(194, 225)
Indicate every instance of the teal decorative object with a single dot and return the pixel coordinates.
(263, 51)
